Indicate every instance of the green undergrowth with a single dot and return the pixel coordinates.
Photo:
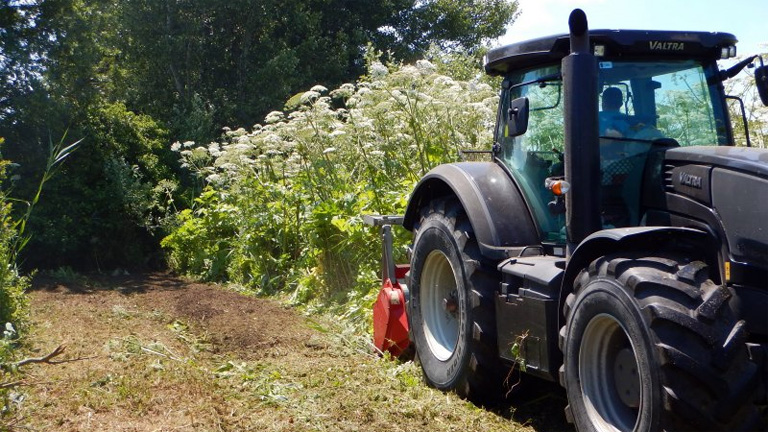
(13, 302)
(282, 209)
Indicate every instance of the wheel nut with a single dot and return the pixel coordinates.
(449, 304)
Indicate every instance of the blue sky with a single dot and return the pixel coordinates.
(747, 19)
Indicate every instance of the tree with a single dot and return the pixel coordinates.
(242, 58)
(451, 24)
(129, 75)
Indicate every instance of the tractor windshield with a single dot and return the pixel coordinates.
(671, 99)
(644, 106)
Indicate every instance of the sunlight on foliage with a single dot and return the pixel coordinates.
(283, 204)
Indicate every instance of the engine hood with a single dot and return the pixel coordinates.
(733, 181)
(745, 159)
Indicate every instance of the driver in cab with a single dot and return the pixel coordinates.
(613, 123)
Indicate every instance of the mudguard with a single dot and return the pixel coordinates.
(625, 239)
(495, 207)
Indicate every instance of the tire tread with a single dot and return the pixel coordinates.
(483, 379)
(707, 377)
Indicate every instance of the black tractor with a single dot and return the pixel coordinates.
(616, 243)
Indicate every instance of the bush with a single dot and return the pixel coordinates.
(107, 207)
(13, 303)
(284, 202)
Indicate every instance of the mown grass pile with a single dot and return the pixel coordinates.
(282, 206)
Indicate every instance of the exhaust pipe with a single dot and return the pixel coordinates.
(582, 151)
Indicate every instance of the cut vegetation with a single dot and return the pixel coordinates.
(163, 354)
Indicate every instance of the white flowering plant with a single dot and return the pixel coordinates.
(289, 194)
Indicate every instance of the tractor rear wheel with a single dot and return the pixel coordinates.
(650, 343)
(451, 311)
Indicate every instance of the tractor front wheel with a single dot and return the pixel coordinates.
(451, 310)
(650, 343)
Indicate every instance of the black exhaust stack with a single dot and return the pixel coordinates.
(582, 151)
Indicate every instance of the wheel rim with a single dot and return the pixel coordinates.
(609, 375)
(439, 305)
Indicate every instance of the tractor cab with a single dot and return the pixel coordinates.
(655, 90)
(614, 244)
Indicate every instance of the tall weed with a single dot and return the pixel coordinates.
(289, 194)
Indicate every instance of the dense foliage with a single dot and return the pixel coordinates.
(230, 62)
(14, 238)
(283, 202)
(13, 303)
(131, 76)
(110, 199)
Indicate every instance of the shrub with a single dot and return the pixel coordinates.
(13, 303)
(107, 207)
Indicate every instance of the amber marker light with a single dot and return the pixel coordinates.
(558, 187)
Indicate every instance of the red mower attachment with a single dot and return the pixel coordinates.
(390, 319)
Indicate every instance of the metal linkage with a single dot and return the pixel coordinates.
(387, 259)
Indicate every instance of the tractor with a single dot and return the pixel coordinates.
(616, 242)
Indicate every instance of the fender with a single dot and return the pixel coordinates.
(628, 240)
(495, 207)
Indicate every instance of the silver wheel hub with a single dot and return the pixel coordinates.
(440, 305)
(609, 375)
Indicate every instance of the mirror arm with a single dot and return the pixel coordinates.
(738, 67)
(743, 117)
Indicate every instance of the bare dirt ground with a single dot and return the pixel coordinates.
(157, 353)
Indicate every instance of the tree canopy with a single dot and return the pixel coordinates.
(130, 76)
(221, 61)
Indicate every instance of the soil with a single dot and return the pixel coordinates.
(248, 326)
(154, 352)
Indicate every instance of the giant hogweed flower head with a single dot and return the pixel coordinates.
(273, 117)
(345, 91)
(309, 97)
(425, 67)
(319, 89)
(378, 70)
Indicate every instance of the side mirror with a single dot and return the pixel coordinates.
(517, 117)
(761, 81)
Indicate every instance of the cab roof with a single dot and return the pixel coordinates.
(616, 43)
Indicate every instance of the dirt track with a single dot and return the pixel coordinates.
(160, 354)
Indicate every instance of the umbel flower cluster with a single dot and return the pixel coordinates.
(283, 201)
(410, 118)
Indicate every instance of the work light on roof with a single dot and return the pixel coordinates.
(728, 52)
(599, 50)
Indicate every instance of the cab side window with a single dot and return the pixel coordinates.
(537, 154)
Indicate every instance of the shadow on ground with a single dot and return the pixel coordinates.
(123, 283)
(539, 404)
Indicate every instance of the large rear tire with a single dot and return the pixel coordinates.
(451, 311)
(650, 343)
